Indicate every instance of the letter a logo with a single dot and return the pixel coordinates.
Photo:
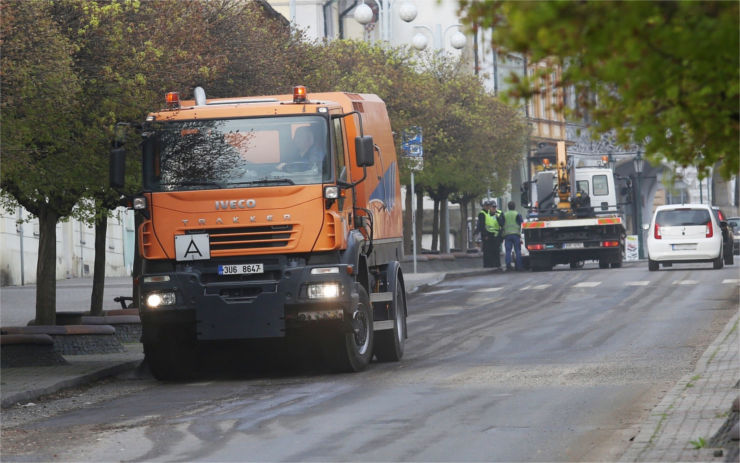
(193, 249)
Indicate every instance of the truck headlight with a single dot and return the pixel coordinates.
(323, 290)
(154, 300)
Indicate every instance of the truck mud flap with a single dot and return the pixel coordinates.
(261, 317)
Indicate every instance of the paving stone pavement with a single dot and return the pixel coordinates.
(680, 428)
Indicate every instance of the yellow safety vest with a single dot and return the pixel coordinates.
(492, 225)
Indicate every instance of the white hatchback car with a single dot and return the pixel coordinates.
(682, 233)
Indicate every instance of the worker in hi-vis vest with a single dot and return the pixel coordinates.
(490, 235)
(511, 226)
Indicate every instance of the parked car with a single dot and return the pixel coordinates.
(726, 235)
(734, 224)
(684, 233)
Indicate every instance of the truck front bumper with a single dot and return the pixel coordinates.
(258, 306)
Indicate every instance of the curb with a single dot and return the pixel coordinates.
(450, 276)
(104, 372)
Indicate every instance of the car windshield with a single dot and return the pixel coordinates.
(682, 217)
(239, 153)
(734, 223)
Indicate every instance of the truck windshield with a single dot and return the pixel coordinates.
(239, 153)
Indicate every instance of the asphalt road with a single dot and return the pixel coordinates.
(552, 366)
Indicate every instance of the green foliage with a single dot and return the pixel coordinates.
(699, 443)
(665, 74)
(39, 111)
(471, 140)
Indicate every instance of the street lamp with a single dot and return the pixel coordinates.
(639, 164)
(458, 39)
(364, 15)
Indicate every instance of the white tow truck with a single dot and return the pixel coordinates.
(573, 216)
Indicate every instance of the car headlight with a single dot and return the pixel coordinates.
(323, 290)
(154, 300)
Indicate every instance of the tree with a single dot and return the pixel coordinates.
(665, 74)
(40, 113)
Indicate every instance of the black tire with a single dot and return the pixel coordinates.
(653, 265)
(352, 351)
(169, 360)
(719, 262)
(389, 344)
(540, 264)
(616, 264)
(603, 263)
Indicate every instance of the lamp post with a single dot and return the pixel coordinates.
(457, 40)
(639, 164)
(364, 15)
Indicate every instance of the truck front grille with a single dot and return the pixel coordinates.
(224, 241)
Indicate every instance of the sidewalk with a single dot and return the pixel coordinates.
(693, 422)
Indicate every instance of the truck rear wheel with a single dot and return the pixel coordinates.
(389, 344)
(350, 352)
(540, 264)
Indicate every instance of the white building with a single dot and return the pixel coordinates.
(19, 244)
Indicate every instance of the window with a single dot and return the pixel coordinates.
(582, 186)
(682, 217)
(240, 153)
(601, 185)
(338, 142)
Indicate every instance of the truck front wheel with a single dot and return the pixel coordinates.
(352, 351)
(170, 357)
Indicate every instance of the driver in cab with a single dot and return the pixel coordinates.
(306, 152)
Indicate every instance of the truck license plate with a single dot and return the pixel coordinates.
(240, 269)
(572, 245)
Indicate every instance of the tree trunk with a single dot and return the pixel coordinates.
(444, 236)
(435, 226)
(46, 268)
(419, 220)
(407, 237)
(98, 287)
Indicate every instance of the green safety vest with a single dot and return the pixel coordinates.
(510, 225)
(492, 225)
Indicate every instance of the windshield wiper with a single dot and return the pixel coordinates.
(267, 181)
(199, 183)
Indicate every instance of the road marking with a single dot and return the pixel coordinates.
(587, 284)
(441, 291)
(638, 283)
(685, 282)
(730, 281)
(527, 288)
(488, 290)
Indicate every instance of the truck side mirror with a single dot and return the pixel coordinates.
(365, 151)
(117, 168)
